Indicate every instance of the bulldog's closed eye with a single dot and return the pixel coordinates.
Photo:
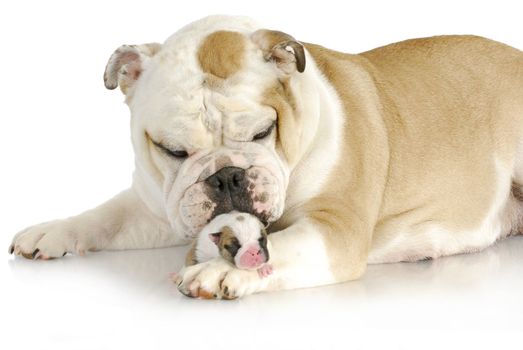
(180, 154)
(264, 133)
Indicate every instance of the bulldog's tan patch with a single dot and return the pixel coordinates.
(446, 145)
(221, 53)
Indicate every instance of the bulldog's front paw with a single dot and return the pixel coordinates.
(46, 241)
(217, 279)
(238, 283)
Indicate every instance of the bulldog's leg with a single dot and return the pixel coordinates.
(123, 222)
(309, 253)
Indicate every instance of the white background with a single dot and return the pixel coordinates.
(64, 147)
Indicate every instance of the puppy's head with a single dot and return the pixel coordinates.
(241, 239)
(215, 123)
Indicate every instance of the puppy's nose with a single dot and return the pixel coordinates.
(229, 179)
(252, 258)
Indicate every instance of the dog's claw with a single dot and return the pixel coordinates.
(11, 249)
(35, 254)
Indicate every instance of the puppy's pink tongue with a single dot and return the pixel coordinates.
(252, 258)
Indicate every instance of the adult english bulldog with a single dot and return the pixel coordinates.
(406, 152)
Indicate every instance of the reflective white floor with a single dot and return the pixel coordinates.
(124, 300)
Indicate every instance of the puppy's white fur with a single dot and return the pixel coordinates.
(247, 231)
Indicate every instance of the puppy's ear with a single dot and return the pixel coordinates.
(126, 64)
(282, 49)
(215, 237)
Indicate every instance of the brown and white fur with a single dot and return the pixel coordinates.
(239, 238)
(409, 151)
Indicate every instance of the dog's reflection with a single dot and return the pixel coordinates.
(455, 274)
(145, 271)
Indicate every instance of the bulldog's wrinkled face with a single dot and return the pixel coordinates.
(207, 109)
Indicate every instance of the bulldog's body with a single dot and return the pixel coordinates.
(405, 152)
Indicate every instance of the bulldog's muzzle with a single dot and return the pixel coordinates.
(250, 180)
(254, 190)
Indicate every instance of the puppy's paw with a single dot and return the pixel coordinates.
(47, 241)
(217, 279)
(265, 270)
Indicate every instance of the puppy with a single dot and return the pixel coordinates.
(239, 238)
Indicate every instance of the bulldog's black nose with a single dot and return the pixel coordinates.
(228, 189)
(228, 180)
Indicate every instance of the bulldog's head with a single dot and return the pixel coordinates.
(214, 120)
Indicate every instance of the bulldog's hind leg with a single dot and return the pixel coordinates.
(123, 222)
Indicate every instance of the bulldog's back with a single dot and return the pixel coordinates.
(446, 71)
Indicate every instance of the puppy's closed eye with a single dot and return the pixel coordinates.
(232, 247)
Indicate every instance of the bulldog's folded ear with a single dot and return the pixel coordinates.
(126, 64)
(281, 48)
